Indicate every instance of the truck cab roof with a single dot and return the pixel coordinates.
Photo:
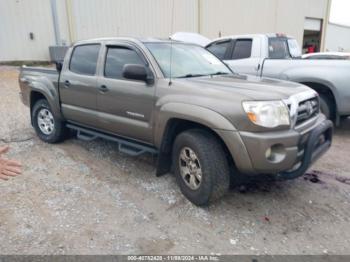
(268, 35)
(137, 40)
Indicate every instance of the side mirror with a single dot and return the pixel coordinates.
(137, 72)
(59, 66)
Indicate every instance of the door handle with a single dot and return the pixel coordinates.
(66, 83)
(103, 89)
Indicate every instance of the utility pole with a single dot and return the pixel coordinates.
(71, 24)
(199, 16)
(55, 22)
(325, 26)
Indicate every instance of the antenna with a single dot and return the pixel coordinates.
(171, 41)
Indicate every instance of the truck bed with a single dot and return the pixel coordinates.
(36, 71)
(32, 78)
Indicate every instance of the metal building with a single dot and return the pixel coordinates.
(28, 28)
(338, 38)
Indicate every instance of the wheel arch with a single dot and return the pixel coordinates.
(191, 113)
(325, 89)
(34, 97)
(37, 94)
(173, 128)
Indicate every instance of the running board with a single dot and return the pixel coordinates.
(124, 145)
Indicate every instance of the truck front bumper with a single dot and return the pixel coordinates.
(287, 154)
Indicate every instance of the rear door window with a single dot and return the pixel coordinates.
(84, 59)
(117, 57)
(219, 49)
(278, 48)
(242, 49)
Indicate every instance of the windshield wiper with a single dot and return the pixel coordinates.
(198, 75)
(219, 73)
(191, 75)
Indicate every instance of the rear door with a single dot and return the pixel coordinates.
(242, 54)
(125, 106)
(78, 85)
(242, 60)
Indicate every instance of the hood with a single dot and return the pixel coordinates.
(225, 94)
(244, 87)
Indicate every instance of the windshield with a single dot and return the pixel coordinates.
(282, 48)
(187, 60)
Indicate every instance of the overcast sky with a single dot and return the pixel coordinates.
(340, 12)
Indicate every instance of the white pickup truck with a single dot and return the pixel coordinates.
(279, 56)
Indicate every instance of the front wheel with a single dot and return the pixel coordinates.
(48, 127)
(200, 166)
(327, 107)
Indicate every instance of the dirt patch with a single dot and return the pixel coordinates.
(344, 180)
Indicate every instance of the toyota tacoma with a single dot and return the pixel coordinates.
(177, 100)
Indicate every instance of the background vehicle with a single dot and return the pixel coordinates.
(279, 56)
(203, 121)
(327, 55)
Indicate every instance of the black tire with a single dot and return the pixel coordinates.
(59, 132)
(215, 178)
(327, 107)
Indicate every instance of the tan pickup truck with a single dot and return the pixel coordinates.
(177, 100)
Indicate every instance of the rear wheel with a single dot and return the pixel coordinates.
(200, 166)
(48, 127)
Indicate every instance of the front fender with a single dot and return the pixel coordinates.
(318, 81)
(194, 113)
(316, 75)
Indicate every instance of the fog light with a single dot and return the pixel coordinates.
(276, 153)
(268, 153)
(321, 139)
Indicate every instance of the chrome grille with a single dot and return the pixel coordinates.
(307, 109)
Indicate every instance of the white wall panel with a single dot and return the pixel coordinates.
(95, 18)
(17, 19)
(258, 16)
(315, 8)
(236, 17)
(82, 19)
(89, 19)
(338, 38)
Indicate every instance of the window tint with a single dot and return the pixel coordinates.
(278, 48)
(242, 49)
(84, 59)
(219, 49)
(117, 57)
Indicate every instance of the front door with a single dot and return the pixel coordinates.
(78, 85)
(125, 106)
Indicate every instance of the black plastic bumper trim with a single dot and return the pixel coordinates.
(313, 150)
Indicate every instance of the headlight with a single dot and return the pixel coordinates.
(267, 113)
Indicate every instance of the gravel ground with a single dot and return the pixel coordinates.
(86, 198)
